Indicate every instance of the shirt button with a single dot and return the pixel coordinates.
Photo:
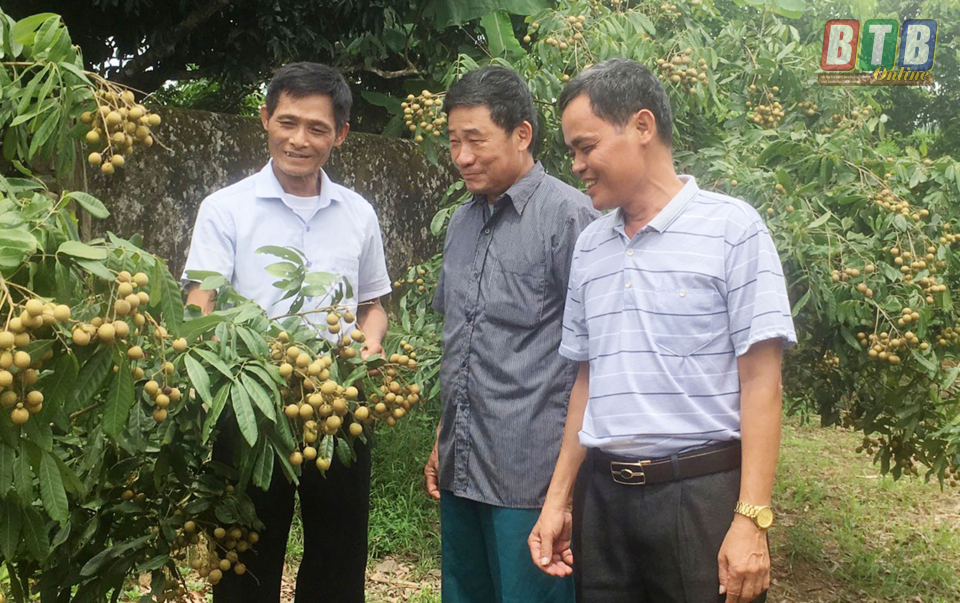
(308, 229)
(629, 252)
(463, 363)
(309, 264)
(486, 231)
(683, 294)
(629, 284)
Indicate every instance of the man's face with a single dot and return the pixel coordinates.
(301, 133)
(490, 159)
(605, 157)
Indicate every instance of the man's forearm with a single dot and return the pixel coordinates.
(372, 320)
(572, 453)
(760, 418)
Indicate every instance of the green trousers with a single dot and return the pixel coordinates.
(485, 556)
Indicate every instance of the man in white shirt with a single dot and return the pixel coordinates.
(292, 203)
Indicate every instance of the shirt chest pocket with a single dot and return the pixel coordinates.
(346, 266)
(688, 319)
(513, 292)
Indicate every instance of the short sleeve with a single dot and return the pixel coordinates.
(574, 340)
(374, 280)
(213, 244)
(565, 241)
(757, 304)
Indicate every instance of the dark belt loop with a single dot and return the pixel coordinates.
(675, 461)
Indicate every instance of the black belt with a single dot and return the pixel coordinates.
(702, 461)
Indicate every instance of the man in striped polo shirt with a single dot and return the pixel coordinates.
(677, 313)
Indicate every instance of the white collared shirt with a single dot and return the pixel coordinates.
(342, 237)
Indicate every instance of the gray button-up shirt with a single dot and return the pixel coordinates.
(505, 388)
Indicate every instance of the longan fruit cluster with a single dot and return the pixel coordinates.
(117, 126)
(829, 360)
(883, 347)
(18, 367)
(668, 10)
(414, 277)
(679, 70)
(423, 114)
(809, 108)
(217, 551)
(767, 112)
(568, 37)
(911, 264)
(855, 120)
(949, 336)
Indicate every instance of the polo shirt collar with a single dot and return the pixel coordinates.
(520, 192)
(268, 187)
(669, 213)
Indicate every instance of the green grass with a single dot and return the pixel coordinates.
(847, 532)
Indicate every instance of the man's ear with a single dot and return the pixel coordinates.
(264, 116)
(342, 134)
(524, 134)
(646, 125)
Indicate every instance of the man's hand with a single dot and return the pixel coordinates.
(431, 471)
(744, 562)
(370, 347)
(549, 541)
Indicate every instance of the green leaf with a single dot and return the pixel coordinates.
(254, 342)
(70, 480)
(10, 521)
(192, 329)
(263, 470)
(287, 253)
(344, 452)
(59, 384)
(23, 31)
(260, 397)
(94, 206)
(16, 245)
(325, 451)
(791, 9)
(93, 566)
(214, 361)
(501, 40)
(166, 297)
(35, 534)
(456, 12)
(7, 460)
(382, 100)
(120, 400)
(23, 477)
(82, 250)
(246, 420)
(52, 493)
(219, 402)
(641, 23)
(97, 269)
(282, 269)
(820, 221)
(198, 378)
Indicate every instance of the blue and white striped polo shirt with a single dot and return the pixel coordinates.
(662, 318)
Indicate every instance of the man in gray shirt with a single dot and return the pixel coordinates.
(504, 386)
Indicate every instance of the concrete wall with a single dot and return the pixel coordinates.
(157, 193)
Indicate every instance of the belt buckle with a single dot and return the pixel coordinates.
(629, 474)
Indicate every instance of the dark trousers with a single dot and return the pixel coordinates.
(650, 544)
(335, 511)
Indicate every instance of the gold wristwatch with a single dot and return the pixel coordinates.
(762, 516)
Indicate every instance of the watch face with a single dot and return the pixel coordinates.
(765, 518)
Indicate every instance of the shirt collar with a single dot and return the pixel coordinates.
(268, 187)
(520, 192)
(670, 212)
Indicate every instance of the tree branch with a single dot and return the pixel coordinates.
(161, 50)
(411, 69)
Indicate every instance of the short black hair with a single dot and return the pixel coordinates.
(307, 79)
(500, 90)
(617, 89)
